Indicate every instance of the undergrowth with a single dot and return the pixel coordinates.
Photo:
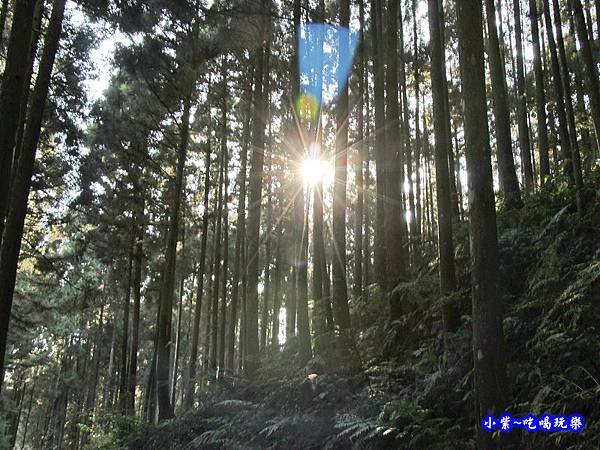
(405, 390)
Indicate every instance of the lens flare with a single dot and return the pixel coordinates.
(307, 106)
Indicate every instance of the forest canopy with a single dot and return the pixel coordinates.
(299, 224)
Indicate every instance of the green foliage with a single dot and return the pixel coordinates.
(113, 431)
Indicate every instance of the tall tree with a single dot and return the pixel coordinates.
(254, 210)
(540, 96)
(341, 312)
(450, 315)
(522, 122)
(394, 209)
(590, 69)
(488, 338)
(509, 184)
(380, 152)
(23, 171)
(13, 90)
(566, 84)
(565, 141)
(191, 379)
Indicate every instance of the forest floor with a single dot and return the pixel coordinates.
(405, 391)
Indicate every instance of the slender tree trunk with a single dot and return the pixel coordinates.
(223, 312)
(450, 314)
(177, 339)
(341, 313)
(123, 382)
(266, 295)
(590, 69)
(165, 408)
(137, 292)
(565, 140)
(302, 297)
(359, 165)
(394, 215)
(254, 212)
(408, 154)
(21, 183)
(380, 151)
(191, 385)
(488, 339)
(522, 122)
(3, 14)
(217, 258)
(509, 184)
(417, 84)
(14, 89)
(540, 96)
(566, 85)
(277, 294)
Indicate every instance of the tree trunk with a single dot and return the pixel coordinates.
(240, 226)
(380, 151)
(341, 313)
(254, 211)
(123, 382)
(488, 339)
(394, 217)
(523, 125)
(21, 183)
(540, 96)
(590, 69)
(165, 408)
(450, 314)
(191, 384)
(566, 84)
(509, 184)
(565, 140)
(359, 165)
(14, 88)
(137, 291)
(409, 241)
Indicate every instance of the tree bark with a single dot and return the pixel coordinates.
(14, 88)
(380, 152)
(341, 313)
(254, 212)
(590, 69)
(165, 408)
(566, 84)
(540, 96)
(523, 125)
(565, 140)
(488, 339)
(21, 183)
(509, 184)
(240, 227)
(191, 382)
(450, 314)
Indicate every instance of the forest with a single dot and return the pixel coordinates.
(299, 224)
